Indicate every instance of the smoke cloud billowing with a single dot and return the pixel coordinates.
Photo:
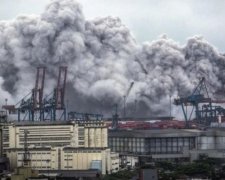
(103, 59)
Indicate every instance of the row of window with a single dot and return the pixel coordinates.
(37, 160)
(43, 153)
(56, 144)
(152, 145)
(85, 151)
(46, 138)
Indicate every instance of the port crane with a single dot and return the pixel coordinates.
(54, 103)
(34, 107)
(31, 104)
(207, 112)
(115, 118)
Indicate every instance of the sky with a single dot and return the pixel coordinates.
(146, 19)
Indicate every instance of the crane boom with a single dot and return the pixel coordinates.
(128, 91)
(204, 114)
(39, 87)
(60, 89)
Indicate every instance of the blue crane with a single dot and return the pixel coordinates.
(204, 114)
(55, 105)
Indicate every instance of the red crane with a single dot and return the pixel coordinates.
(37, 92)
(60, 88)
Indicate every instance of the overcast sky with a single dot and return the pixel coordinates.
(147, 19)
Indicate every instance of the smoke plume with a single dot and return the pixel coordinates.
(103, 59)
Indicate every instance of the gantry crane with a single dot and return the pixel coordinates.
(31, 104)
(55, 105)
(34, 107)
(204, 114)
(115, 118)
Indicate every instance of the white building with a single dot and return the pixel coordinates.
(60, 145)
(55, 134)
(63, 158)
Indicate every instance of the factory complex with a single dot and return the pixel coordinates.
(176, 145)
(64, 145)
(44, 137)
(72, 145)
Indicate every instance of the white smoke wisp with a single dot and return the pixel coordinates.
(103, 58)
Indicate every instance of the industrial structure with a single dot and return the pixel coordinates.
(4, 161)
(177, 145)
(55, 105)
(32, 104)
(60, 145)
(39, 140)
(115, 118)
(34, 107)
(207, 112)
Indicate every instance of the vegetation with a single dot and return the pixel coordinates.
(121, 175)
(203, 168)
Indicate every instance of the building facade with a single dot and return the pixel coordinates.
(63, 158)
(59, 145)
(168, 144)
(55, 134)
(151, 141)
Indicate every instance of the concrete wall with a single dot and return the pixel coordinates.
(96, 137)
(56, 135)
(205, 142)
(115, 162)
(211, 142)
(65, 159)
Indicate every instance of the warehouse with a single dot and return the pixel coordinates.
(168, 144)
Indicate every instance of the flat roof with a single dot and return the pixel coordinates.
(72, 173)
(167, 133)
(155, 133)
(41, 148)
(45, 123)
(85, 148)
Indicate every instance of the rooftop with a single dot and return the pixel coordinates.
(166, 133)
(46, 123)
(71, 173)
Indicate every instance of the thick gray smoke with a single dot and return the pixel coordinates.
(103, 59)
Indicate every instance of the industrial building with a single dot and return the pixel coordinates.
(64, 158)
(55, 134)
(4, 161)
(44, 138)
(60, 145)
(168, 144)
